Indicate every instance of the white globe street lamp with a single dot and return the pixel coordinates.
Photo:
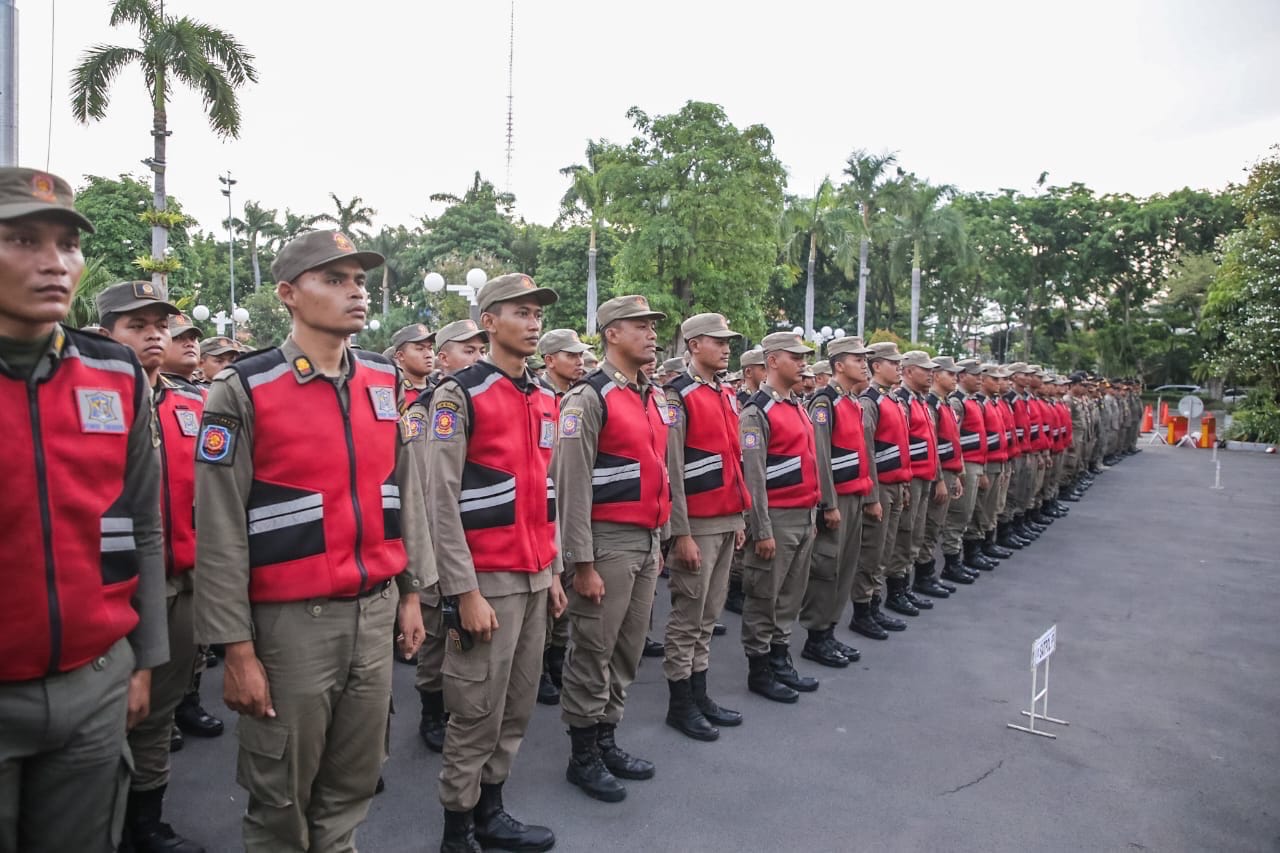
(374, 324)
(200, 313)
(433, 282)
(797, 330)
(839, 333)
(476, 278)
(240, 315)
(826, 332)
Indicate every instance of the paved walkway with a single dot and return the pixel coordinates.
(1168, 667)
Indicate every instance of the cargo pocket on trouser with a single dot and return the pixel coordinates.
(264, 766)
(124, 779)
(826, 554)
(466, 675)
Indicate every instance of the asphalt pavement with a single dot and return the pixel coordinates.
(1163, 591)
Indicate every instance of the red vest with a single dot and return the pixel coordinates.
(1038, 412)
(791, 460)
(1068, 431)
(850, 466)
(179, 408)
(892, 444)
(70, 558)
(629, 482)
(993, 422)
(1021, 421)
(713, 481)
(923, 439)
(950, 454)
(973, 429)
(324, 509)
(508, 502)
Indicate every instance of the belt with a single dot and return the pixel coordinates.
(373, 590)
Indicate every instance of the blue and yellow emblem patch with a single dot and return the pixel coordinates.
(821, 415)
(217, 442)
(100, 411)
(571, 423)
(751, 439)
(444, 423)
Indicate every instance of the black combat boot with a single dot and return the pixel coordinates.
(848, 651)
(587, 769)
(785, 671)
(1006, 538)
(548, 690)
(973, 558)
(990, 549)
(925, 583)
(620, 763)
(863, 624)
(176, 740)
(495, 827)
(760, 679)
(553, 660)
(897, 600)
(434, 720)
(193, 719)
(459, 833)
(147, 832)
(952, 570)
(733, 603)
(819, 650)
(884, 620)
(715, 715)
(684, 716)
(653, 649)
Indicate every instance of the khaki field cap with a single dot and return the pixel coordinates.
(412, 334)
(712, 325)
(561, 340)
(513, 285)
(969, 365)
(460, 330)
(918, 358)
(133, 295)
(218, 346)
(994, 370)
(317, 248)
(887, 350)
(821, 367)
(626, 308)
(1018, 367)
(847, 344)
(27, 191)
(1035, 370)
(673, 365)
(735, 376)
(785, 342)
(752, 358)
(947, 363)
(180, 324)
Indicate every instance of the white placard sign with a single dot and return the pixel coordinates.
(1044, 646)
(1041, 650)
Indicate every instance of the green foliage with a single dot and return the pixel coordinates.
(1256, 419)
(562, 266)
(471, 225)
(84, 307)
(880, 336)
(269, 321)
(114, 206)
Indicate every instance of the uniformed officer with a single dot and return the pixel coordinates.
(413, 354)
(215, 354)
(311, 520)
(1014, 536)
(752, 364)
(822, 373)
(945, 521)
(613, 436)
(590, 361)
(136, 314)
(1028, 460)
(963, 539)
(182, 355)
(845, 481)
(83, 610)
(488, 447)
(885, 425)
(671, 368)
(987, 507)
(708, 497)
(780, 462)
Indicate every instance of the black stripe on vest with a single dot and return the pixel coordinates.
(488, 497)
(703, 471)
(615, 479)
(119, 548)
(284, 524)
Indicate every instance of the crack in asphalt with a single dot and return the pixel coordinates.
(975, 781)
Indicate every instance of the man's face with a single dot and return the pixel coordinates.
(1021, 381)
(515, 325)
(822, 380)
(416, 359)
(917, 378)
(212, 365)
(456, 355)
(945, 380)
(40, 266)
(331, 298)
(183, 354)
(808, 384)
(886, 372)
(711, 353)
(787, 367)
(753, 375)
(146, 332)
(970, 382)
(634, 340)
(565, 366)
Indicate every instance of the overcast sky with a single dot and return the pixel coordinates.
(393, 100)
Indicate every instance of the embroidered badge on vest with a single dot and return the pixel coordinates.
(383, 398)
(444, 424)
(412, 426)
(100, 411)
(217, 443)
(751, 438)
(188, 422)
(821, 414)
(547, 437)
(570, 423)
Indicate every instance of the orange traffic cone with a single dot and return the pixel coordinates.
(1164, 413)
(1146, 419)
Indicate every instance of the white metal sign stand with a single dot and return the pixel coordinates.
(1041, 650)
(1217, 470)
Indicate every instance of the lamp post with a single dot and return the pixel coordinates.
(433, 283)
(227, 183)
(239, 315)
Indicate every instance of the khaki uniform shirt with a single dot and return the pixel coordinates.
(681, 524)
(223, 613)
(754, 461)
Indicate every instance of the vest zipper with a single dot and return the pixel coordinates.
(46, 525)
(355, 497)
(166, 496)
(644, 403)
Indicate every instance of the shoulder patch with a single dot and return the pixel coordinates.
(571, 423)
(444, 422)
(412, 425)
(821, 414)
(752, 438)
(217, 442)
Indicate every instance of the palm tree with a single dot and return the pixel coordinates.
(586, 196)
(258, 222)
(204, 58)
(865, 172)
(349, 215)
(922, 224)
(293, 225)
(390, 243)
(820, 223)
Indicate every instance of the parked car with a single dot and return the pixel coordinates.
(1231, 396)
(1172, 390)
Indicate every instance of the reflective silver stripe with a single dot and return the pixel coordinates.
(111, 544)
(259, 513)
(551, 488)
(702, 466)
(270, 375)
(889, 453)
(919, 449)
(970, 440)
(945, 447)
(773, 471)
(390, 490)
(848, 461)
(114, 365)
(993, 440)
(390, 503)
(190, 395)
(600, 476)
(486, 491)
(547, 391)
(117, 525)
(767, 406)
(492, 499)
(606, 389)
(293, 519)
(376, 365)
(489, 381)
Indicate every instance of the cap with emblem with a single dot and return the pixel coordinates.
(513, 285)
(1036, 370)
(180, 324)
(1017, 367)
(847, 344)
(590, 360)
(947, 363)
(996, 371)
(711, 325)
(752, 358)
(785, 342)
(317, 248)
(969, 365)
(218, 346)
(561, 340)
(886, 350)
(411, 334)
(25, 192)
(918, 358)
(129, 296)
(460, 330)
(626, 308)
(673, 365)
(822, 367)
